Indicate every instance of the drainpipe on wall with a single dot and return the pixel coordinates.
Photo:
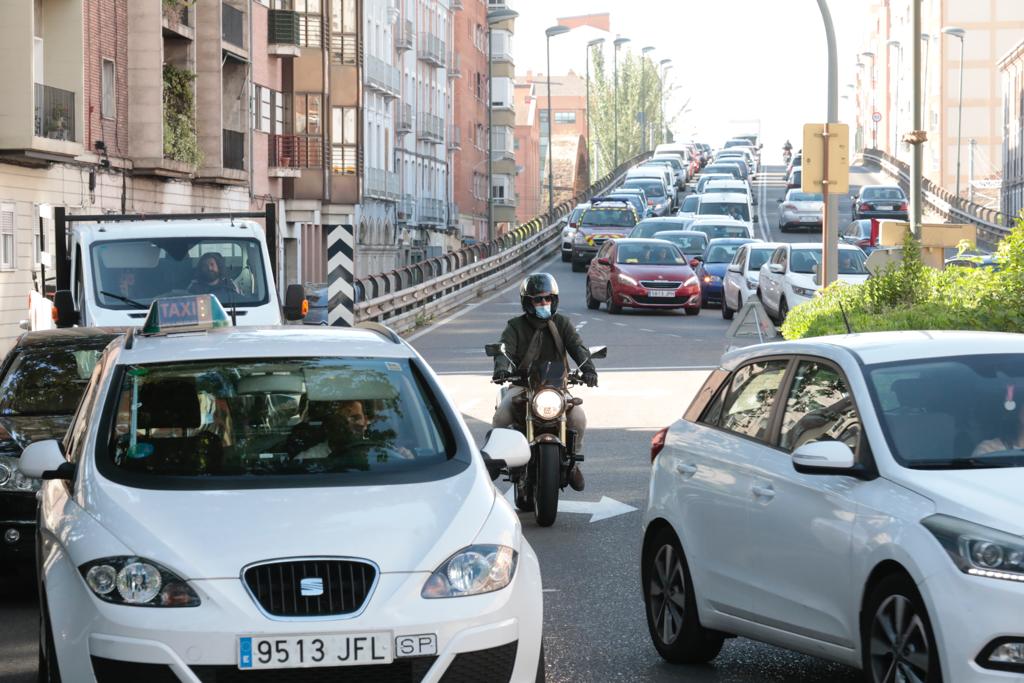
(248, 95)
(325, 96)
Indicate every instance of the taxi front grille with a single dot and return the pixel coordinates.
(311, 587)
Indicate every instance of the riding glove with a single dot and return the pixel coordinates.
(590, 379)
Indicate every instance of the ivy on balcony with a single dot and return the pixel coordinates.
(181, 143)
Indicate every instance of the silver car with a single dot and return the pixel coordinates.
(800, 210)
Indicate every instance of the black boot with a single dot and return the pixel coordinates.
(576, 478)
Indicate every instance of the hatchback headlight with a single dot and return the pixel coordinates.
(548, 404)
(803, 291)
(979, 550)
(692, 281)
(11, 478)
(138, 582)
(474, 570)
(627, 280)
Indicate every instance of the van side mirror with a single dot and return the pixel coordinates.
(67, 316)
(296, 306)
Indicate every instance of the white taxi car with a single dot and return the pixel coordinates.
(242, 499)
(856, 498)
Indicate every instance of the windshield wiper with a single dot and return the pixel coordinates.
(126, 300)
(986, 461)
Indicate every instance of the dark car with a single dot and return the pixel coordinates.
(42, 380)
(641, 273)
(648, 226)
(881, 201)
(603, 220)
(638, 200)
(658, 200)
(712, 265)
(862, 233)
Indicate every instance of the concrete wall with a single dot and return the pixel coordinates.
(16, 77)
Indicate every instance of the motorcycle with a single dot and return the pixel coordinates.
(544, 405)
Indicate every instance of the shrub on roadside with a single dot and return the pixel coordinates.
(911, 296)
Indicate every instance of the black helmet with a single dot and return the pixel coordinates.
(538, 283)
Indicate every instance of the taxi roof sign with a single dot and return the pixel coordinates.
(185, 314)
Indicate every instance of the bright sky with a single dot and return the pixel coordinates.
(737, 61)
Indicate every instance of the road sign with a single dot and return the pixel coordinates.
(813, 170)
(752, 321)
(876, 117)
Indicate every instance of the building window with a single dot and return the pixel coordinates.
(310, 22)
(344, 31)
(108, 88)
(307, 114)
(565, 117)
(344, 140)
(7, 237)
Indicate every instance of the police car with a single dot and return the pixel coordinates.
(229, 500)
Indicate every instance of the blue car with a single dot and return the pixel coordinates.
(712, 265)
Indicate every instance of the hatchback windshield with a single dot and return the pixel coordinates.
(650, 255)
(758, 257)
(47, 381)
(129, 274)
(721, 253)
(362, 418)
(690, 203)
(928, 426)
(618, 218)
(733, 209)
(851, 261)
(688, 244)
(652, 188)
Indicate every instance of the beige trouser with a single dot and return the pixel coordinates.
(510, 415)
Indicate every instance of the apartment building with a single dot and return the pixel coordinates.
(884, 84)
(1011, 68)
(468, 135)
(527, 148)
(567, 134)
(503, 123)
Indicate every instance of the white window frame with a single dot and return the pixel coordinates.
(8, 236)
(108, 89)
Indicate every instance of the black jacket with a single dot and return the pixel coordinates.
(519, 332)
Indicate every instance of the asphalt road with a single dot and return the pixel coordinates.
(594, 617)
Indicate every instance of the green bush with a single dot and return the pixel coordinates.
(180, 140)
(911, 296)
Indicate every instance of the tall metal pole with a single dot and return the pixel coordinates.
(644, 128)
(970, 170)
(490, 140)
(590, 161)
(551, 146)
(917, 135)
(830, 219)
(899, 77)
(960, 118)
(615, 67)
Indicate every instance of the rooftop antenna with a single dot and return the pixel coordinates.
(846, 320)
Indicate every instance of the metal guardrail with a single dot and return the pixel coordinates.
(992, 225)
(405, 297)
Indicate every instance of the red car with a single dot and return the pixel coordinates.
(642, 273)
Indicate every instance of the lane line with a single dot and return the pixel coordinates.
(470, 307)
(644, 329)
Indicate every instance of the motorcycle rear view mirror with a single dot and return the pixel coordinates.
(598, 352)
(495, 350)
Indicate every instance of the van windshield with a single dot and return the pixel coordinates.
(129, 274)
(734, 209)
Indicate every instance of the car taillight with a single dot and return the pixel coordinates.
(864, 243)
(650, 202)
(790, 207)
(903, 206)
(865, 206)
(658, 442)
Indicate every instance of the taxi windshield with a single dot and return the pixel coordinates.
(128, 274)
(616, 218)
(253, 423)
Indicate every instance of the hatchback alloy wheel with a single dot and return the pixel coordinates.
(899, 644)
(667, 591)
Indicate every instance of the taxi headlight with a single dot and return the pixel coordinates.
(137, 582)
(548, 404)
(11, 478)
(473, 570)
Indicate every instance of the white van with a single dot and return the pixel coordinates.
(734, 205)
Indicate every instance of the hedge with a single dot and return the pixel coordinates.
(911, 296)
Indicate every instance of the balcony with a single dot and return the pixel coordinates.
(432, 50)
(381, 184)
(55, 113)
(403, 118)
(405, 36)
(431, 128)
(502, 144)
(381, 76)
(454, 138)
(283, 33)
(456, 5)
(431, 211)
(406, 207)
(501, 46)
(294, 152)
(453, 214)
(505, 201)
(454, 66)
(232, 26)
(234, 150)
(177, 21)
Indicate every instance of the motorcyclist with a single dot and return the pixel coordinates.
(541, 335)
(787, 147)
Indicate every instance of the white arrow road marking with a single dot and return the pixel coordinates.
(579, 326)
(606, 508)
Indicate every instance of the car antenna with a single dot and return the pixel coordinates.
(846, 320)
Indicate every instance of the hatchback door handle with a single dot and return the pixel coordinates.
(686, 469)
(763, 492)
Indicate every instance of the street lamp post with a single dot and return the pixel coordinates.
(552, 31)
(957, 32)
(666, 64)
(899, 76)
(830, 224)
(643, 96)
(874, 86)
(493, 17)
(590, 155)
(620, 41)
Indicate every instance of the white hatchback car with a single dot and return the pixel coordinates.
(790, 277)
(742, 275)
(856, 498)
(233, 500)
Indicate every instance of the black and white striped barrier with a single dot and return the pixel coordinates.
(340, 276)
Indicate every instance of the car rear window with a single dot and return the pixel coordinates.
(733, 209)
(893, 193)
(608, 217)
(652, 188)
(47, 380)
(722, 230)
(805, 197)
(269, 422)
(690, 204)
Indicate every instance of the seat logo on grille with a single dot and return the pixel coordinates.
(311, 587)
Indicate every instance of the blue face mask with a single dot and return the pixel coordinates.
(543, 312)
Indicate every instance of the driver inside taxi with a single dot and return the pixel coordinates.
(344, 435)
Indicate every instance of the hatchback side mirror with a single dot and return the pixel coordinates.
(735, 268)
(777, 268)
(505, 449)
(603, 262)
(827, 457)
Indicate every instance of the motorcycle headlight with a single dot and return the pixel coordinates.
(691, 281)
(803, 291)
(548, 404)
(979, 550)
(137, 582)
(11, 478)
(474, 570)
(627, 280)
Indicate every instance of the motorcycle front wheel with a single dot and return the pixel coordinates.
(546, 483)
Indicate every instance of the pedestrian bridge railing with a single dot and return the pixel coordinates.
(411, 296)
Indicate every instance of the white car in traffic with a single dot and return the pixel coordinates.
(855, 498)
(743, 274)
(790, 277)
(240, 499)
